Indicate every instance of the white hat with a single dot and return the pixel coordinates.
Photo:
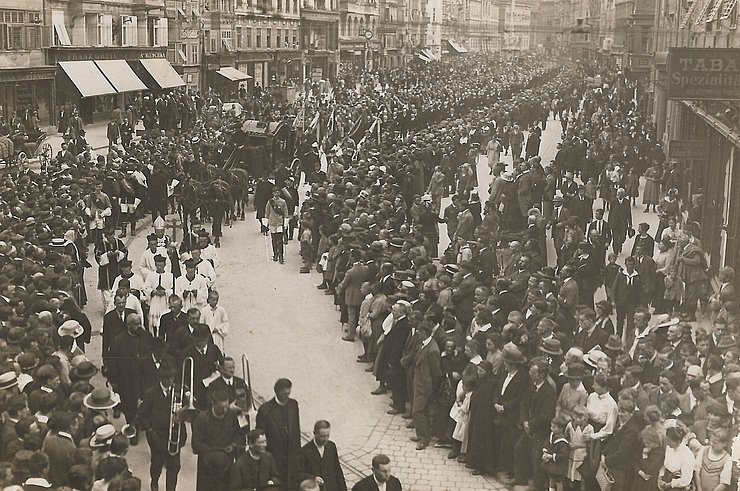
(71, 328)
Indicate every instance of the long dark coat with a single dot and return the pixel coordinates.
(283, 442)
(481, 444)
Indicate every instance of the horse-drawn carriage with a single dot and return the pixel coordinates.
(12, 153)
(259, 147)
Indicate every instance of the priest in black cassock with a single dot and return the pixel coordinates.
(216, 440)
(280, 421)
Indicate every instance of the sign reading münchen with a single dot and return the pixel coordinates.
(704, 73)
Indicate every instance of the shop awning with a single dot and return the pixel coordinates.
(162, 72)
(227, 45)
(232, 74)
(88, 79)
(120, 75)
(426, 52)
(423, 57)
(459, 48)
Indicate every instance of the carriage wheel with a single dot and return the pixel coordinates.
(22, 158)
(45, 156)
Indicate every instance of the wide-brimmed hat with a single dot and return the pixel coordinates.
(84, 371)
(575, 371)
(512, 354)
(103, 436)
(8, 380)
(593, 357)
(614, 343)
(101, 399)
(71, 328)
(551, 347)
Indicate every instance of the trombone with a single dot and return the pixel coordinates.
(180, 413)
(247, 376)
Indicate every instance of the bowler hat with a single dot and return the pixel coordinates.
(84, 371)
(614, 343)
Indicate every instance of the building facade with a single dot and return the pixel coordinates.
(712, 175)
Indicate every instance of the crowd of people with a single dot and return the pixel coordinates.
(503, 354)
(486, 347)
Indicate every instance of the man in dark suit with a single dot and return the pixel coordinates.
(182, 339)
(560, 216)
(154, 418)
(349, 289)
(582, 207)
(462, 295)
(240, 394)
(627, 293)
(129, 363)
(207, 358)
(568, 295)
(507, 400)
(319, 460)
(114, 323)
(620, 219)
(279, 418)
(536, 412)
(381, 475)
(427, 375)
(172, 321)
(590, 335)
(601, 226)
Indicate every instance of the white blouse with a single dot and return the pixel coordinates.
(602, 409)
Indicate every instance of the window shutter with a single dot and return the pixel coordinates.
(163, 35)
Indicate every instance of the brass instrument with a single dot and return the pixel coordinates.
(246, 375)
(178, 411)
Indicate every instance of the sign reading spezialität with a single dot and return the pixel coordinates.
(704, 74)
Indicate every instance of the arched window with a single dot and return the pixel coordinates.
(356, 28)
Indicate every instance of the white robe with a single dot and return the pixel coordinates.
(136, 282)
(158, 304)
(210, 254)
(197, 292)
(146, 262)
(218, 321)
(205, 269)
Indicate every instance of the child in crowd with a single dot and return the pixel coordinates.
(674, 291)
(555, 454)
(713, 463)
(578, 432)
(306, 246)
(460, 413)
(214, 315)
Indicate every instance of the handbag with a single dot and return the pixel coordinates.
(603, 478)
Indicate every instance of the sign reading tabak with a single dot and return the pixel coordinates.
(704, 73)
